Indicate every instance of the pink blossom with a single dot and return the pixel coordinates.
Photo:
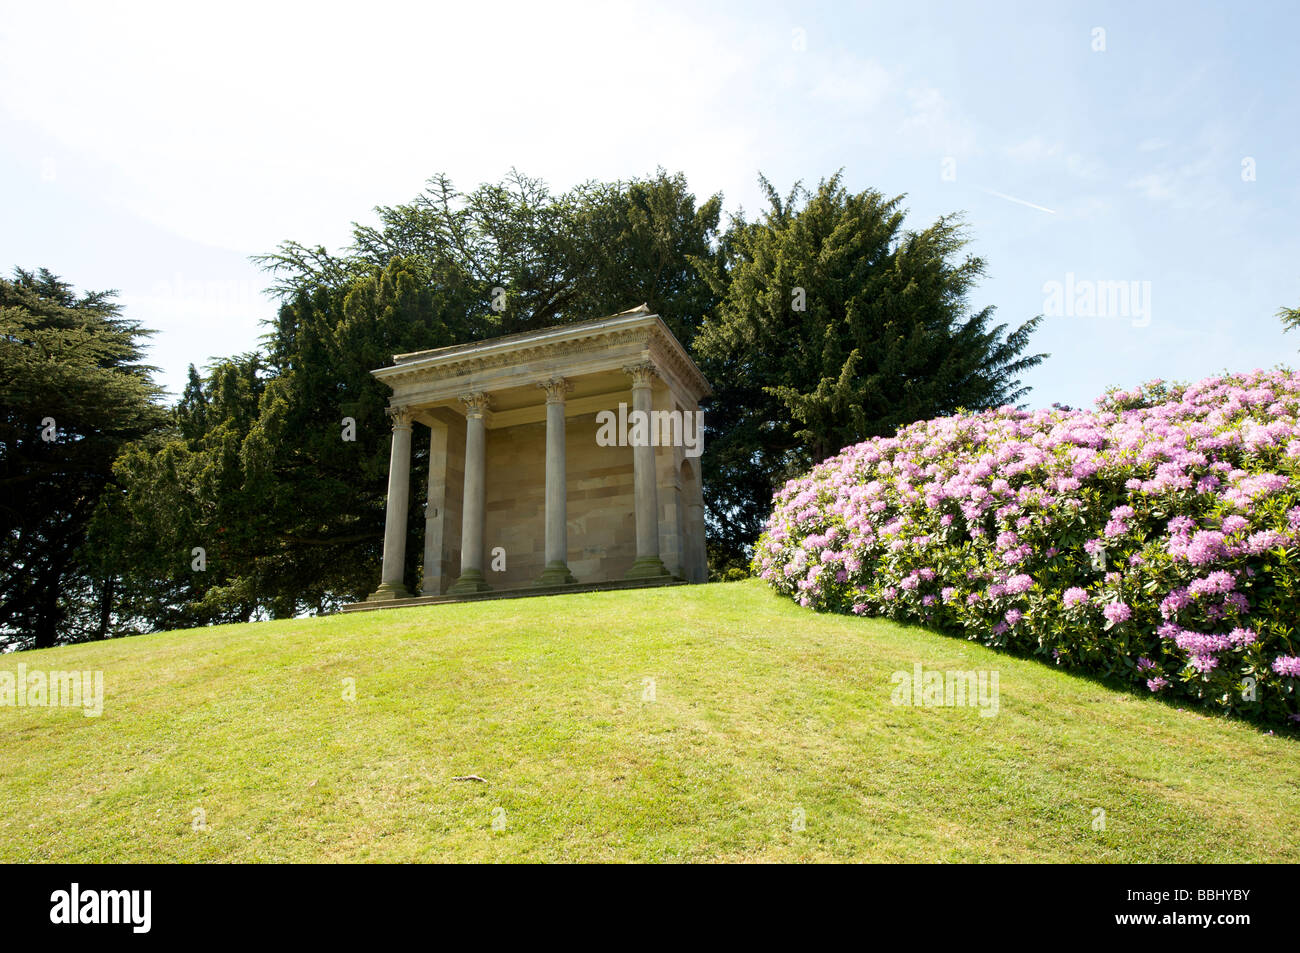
(1075, 596)
(1216, 583)
(1206, 547)
(1117, 612)
(1287, 665)
(1190, 492)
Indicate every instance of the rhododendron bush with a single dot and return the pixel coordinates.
(1152, 540)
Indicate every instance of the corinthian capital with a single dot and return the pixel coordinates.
(556, 388)
(476, 403)
(640, 373)
(400, 416)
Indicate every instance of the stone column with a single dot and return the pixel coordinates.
(696, 544)
(648, 564)
(391, 585)
(473, 507)
(556, 572)
(434, 507)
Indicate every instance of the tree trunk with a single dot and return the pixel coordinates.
(45, 617)
(106, 594)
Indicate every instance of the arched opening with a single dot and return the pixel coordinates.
(695, 559)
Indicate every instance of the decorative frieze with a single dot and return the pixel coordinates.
(646, 335)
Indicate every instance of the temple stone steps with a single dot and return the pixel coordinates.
(522, 592)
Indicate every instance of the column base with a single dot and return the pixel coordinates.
(471, 580)
(556, 574)
(647, 567)
(387, 592)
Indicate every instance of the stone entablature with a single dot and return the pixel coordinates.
(606, 344)
(516, 466)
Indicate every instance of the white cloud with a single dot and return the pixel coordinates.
(1033, 149)
(1156, 186)
(932, 123)
(852, 81)
(1083, 167)
(1198, 184)
(245, 126)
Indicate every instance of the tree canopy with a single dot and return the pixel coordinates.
(836, 324)
(1290, 318)
(73, 391)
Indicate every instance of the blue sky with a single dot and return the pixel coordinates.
(153, 150)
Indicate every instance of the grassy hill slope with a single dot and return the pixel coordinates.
(761, 710)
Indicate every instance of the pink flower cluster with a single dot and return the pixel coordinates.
(1162, 526)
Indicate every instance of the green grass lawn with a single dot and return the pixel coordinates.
(762, 712)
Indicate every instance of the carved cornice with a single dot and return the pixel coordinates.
(668, 352)
(647, 335)
(522, 354)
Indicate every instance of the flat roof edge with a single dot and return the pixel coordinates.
(451, 355)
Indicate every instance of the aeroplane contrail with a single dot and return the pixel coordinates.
(1012, 198)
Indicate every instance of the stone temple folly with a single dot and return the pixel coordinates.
(562, 458)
